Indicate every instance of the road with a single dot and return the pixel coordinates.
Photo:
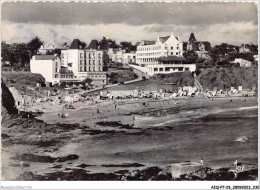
(140, 75)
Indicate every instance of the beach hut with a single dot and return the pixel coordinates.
(48, 84)
(38, 85)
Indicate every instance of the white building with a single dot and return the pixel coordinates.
(84, 63)
(128, 58)
(129, 55)
(243, 62)
(148, 52)
(50, 47)
(165, 55)
(46, 65)
(125, 57)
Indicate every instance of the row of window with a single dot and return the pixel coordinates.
(168, 69)
(90, 55)
(63, 76)
(89, 62)
(149, 48)
(89, 69)
(155, 48)
(149, 54)
(147, 60)
(157, 53)
(95, 76)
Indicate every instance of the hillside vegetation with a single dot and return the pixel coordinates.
(122, 76)
(222, 78)
(21, 79)
(179, 78)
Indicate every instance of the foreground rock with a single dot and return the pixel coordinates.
(148, 174)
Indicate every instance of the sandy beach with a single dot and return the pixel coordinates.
(169, 127)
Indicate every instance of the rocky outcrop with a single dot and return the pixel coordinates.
(8, 101)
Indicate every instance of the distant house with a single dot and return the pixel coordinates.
(243, 62)
(248, 48)
(129, 55)
(200, 47)
(50, 47)
(123, 56)
(256, 59)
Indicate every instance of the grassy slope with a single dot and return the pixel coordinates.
(21, 79)
(122, 76)
(222, 78)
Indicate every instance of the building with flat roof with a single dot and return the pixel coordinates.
(243, 62)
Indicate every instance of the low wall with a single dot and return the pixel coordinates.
(143, 69)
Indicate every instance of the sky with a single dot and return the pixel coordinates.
(232, 22)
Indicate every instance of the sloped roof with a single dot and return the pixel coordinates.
(76, 44)
(206, 44)
(192, 37)
(93, 45)
(45, 57)
(171, 58)
(137, 43)
(149, 43)
(131, 48)
(195, 45)
(163, 39)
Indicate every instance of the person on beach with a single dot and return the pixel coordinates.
(115, 106)
(230, 101)
(22, 165)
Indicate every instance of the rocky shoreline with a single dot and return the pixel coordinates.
(148, 174)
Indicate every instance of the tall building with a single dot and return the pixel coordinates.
(148, 52)
(163, 56)
(84, 62)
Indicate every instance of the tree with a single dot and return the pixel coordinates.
(220, 51)
(107, 43)
(83, 44)
(246, 56)
(16, 54)
(34, 45)
(125, 45)
(5, 53)
(191, 56)
(86, 82)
